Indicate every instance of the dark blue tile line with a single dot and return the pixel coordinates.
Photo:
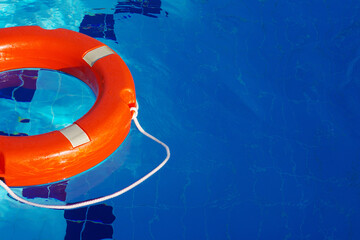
(102, 25)
(18, 85)
(18, 94)
(98, 26)
(90, 223)
(146, 7)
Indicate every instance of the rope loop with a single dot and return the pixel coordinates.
(135, 110)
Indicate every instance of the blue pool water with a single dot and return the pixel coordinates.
(36, 101)
(258, 101)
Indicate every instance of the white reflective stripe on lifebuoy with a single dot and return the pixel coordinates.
(75, 135)
(97, 53)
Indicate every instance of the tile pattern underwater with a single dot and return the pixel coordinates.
(258, 100)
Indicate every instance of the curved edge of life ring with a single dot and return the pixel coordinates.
(57, 155)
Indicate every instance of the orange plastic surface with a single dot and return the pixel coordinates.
(50, 157)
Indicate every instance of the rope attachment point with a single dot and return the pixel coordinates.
(135, 110)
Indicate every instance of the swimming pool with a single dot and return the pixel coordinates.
(258, 101)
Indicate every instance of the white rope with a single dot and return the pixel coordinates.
(105, 198)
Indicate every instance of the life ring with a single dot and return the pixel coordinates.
(57, 155)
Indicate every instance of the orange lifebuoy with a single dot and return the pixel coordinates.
(54, 156)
